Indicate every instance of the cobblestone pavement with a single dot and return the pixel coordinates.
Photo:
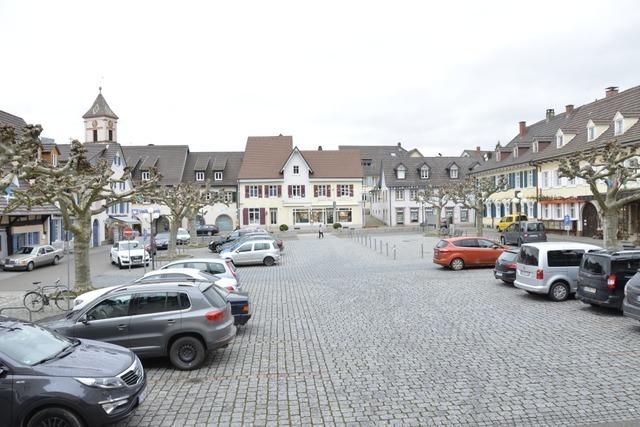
(343, 335)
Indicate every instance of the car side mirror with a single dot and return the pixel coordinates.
(83, 319)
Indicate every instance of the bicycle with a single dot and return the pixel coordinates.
(35, 300)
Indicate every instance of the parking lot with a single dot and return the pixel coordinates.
(344, 335)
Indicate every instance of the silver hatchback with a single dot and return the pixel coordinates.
(219, 266)
(264, 251)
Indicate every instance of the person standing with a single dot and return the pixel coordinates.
(321, 231)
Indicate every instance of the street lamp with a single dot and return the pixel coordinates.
(151, 241)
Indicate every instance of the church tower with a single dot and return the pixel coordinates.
(100, 122)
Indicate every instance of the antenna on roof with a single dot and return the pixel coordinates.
(100, 84)
(440, 154)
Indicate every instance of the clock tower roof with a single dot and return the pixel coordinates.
(100, 108)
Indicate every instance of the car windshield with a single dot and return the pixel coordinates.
(31, 344)
(125, 246)
(162, 236)
(182, 231)
(25, 250)
(528, 255)
(594, 264)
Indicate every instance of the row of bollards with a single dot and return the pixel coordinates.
(377, 244)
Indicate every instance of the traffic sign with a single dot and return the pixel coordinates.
(567, 220)
(127, 233)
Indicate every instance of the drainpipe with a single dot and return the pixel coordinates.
(389, 193)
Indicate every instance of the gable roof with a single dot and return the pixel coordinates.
(99, 108)
(296, 150)
(264, 156)
(334, 163)
(438, 171)
(169, 160)
(376, 153)
(95, 151)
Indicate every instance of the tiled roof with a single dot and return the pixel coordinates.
(334, 163)
(99, 108)
(229, 162)
(168, 159)
(95, 151)
(438, 170)
(376, 153)
(48, 144)
(264, 156)
(202, 163)
(574, 123)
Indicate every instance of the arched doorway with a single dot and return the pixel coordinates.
(95, 233)
(161, 224)
(589, 220)
(224, 223)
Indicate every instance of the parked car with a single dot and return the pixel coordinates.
(166, 319)
(631, 302)
(218, 266)
(603, 276)
(524, 232)
(254, 252)
(161, 241)
(47, 379)
(460, 252)
(181, 274)
(505, 268)
(550, 268)
(29, 257)
(128, 253)
(234, 235)
(507, 220)
(183, 237)
(248, 237)
(207, 230)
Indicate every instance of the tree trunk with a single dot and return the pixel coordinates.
(192, 229)
(173, 231)
(610, 228)
(479, 225)
(82, 265)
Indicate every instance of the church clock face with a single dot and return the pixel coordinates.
(94, 123)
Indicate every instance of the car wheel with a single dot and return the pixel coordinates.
(30, 266)
(268, 261)
(503, 241)
(53, 416)
(559, 291)
(187, 353)
(56, 260)
(120, 266)
(456, 264)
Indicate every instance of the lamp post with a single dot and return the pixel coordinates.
(151, 240)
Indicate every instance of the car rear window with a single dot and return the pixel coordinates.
(508, 256)
(594, 264)
(214, 297)
(564, 258)
(442, 244)
(528, 255)
(628, 266)
(536, 226)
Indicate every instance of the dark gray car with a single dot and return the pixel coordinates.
(180, 321)
(524, 232)
(50, 380)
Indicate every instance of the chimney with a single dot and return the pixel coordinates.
(611, 91)
(478, 149)
(550, 113)
(523, 128)
(319, 147)
(568, 108)
(399, 145)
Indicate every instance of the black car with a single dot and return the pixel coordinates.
(505, 268)
(69, 382)
(207, 230)
(161, 241)
(240, 306)
(216, 243)
(603, 275)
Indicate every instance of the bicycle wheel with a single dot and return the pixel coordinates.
(64, 299)
(33, 301)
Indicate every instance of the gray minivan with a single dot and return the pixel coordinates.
(524, 232)
(550, 268)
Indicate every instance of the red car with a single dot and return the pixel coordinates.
(460, 252)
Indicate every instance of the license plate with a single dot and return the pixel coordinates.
(589, 290)
(498, 274)
(142, 396)
(525, 273)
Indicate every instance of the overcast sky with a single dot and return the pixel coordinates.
(441, 76)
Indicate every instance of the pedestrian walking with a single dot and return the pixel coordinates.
(321, 231)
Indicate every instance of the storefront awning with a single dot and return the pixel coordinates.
(124, 220)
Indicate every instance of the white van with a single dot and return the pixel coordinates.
(550, 268)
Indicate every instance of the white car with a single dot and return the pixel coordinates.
(183, 237)
(87, 297)
(191, 274)
(129, 253)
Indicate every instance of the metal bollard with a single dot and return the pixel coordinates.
(380, 247)
(394, 252)
(387, 248)
(422, 250)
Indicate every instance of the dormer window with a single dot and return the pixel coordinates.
(296, 170)
(424, 172)
(145, 176)
(618, 126)
(560, 140)
(498, 157)
(534, 147)
(591, 133)
(217, 176)
(515, 152)
(453, 172)
(401, 172)
(117, 160)
(199, 176)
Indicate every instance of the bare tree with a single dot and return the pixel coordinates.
(436, 197)
(80, 189)
(610, 168)
(183, 201)
(474, 192)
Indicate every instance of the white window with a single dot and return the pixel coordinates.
(559, 211)
(535, 146)
(555, 179)
(296, 170)
(424, 172)
(399, 194)
(401, 172)
(54, 160)
(547, 213)
(228, 196)
(517, 183)
(573, 210)
(199, 176)
(343, 190)
(619, 127)
(453, 172)
(413, 194)
(217, 176)
(530, 179)
(591, 133)
(254, 216)
(515, 152)
(145, 175)
(545, 179)
(253, 191)
(560, 140)
(122, 185)
(322, 191)
(273, 191)
(117, 160)
(296, 190)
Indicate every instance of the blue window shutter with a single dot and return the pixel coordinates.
(522, 177)
(535, 177)
(535, 209)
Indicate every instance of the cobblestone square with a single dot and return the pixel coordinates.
(344, 335)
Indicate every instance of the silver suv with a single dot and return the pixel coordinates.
(263, 251)
(177, 320)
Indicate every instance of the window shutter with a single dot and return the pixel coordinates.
(259, 190)
(246, 191)
(289, 190)
(535, 209)
(535, 179)
(350, 190)
(234, 197)
(302, 194)
(522, 185)
(266, 191)
(525, 176)
(328, 191)
(315, 191)
(263, 213)
(245, 216)
(279, 190)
